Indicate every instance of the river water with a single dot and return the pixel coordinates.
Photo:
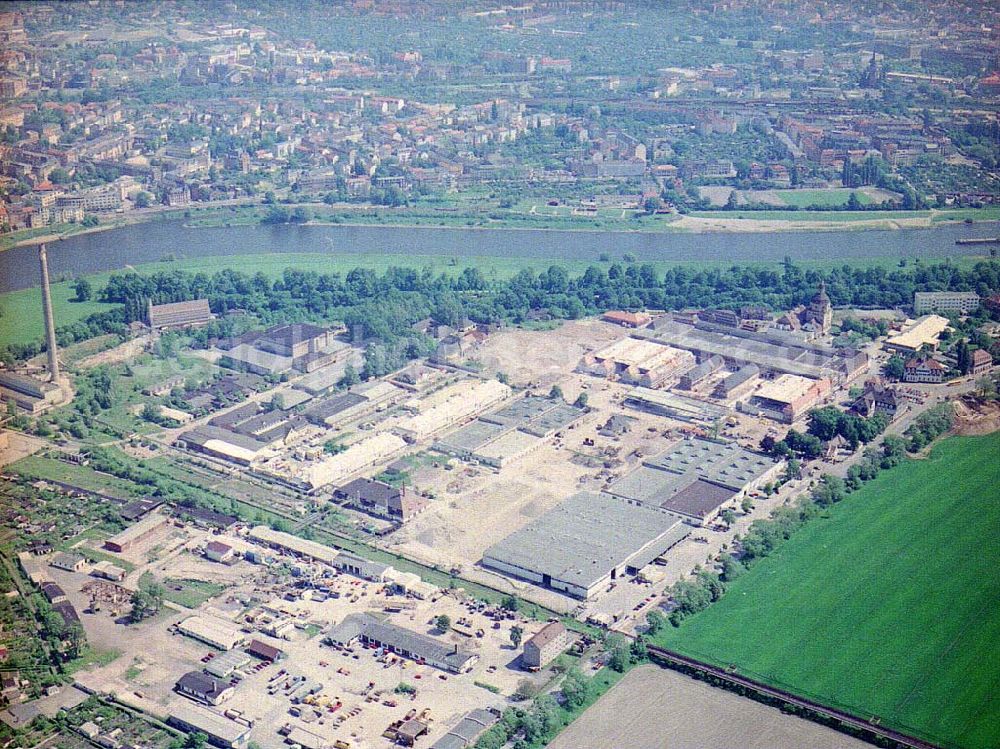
(152, 242)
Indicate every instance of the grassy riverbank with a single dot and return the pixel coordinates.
(21, 312)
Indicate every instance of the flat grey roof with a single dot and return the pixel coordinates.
(698, 499)
(522, 411)
(647, 484)
(472, 436)
(724, 463)
(582, 538)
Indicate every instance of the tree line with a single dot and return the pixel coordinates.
(384, 307)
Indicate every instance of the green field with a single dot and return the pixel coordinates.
(829, 197)
(887, 605)
(21, 312)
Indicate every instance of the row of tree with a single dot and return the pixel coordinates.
(765, 536)
(385, 306)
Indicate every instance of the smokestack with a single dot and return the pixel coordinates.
(50, 323)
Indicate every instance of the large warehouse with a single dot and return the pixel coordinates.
(364, 454)
(639, 362)
(585, 542)
(453, 406)
(788, 397)
(695, 477)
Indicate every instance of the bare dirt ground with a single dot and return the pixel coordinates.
(975, 417)
(542, 357)
(657, 708)
(120, 354)
(700, 224)
(17, 446)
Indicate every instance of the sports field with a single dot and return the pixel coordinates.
(887, 606)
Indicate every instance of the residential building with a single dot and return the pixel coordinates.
(541, 649)
(924, 370)
(982, 361)
(946, 302)
(204, 688)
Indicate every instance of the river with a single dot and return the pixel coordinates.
(152, 242)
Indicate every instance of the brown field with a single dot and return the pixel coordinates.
(657, 708)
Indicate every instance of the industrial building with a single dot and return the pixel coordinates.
(217, 442)
(627, 319)
(300, 547)
(948, 302)
(137, 533)
(693, 478)
(518, 428)
(223, 665)
(360, 400)
(363, 568)
(468, 730)
(380, 499)
(739, 383)
(545, 646)
(221, 732)
(675, 406)
(924, 332)
(788, 398)
(413, 645)
(368, 452)
(773, 351)
(638, 362)
(213, 631)
(179, 314)
(27, 393)
(586, 542)
(452, 406)
(300, 346)
(698, 374)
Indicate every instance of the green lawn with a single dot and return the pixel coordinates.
(21, 312)
(830, 197)
(886, 606)
(190, 593)
(41, 467)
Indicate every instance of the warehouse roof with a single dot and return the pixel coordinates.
(788, 388)
(698, 499)
(150, 522)
(419, 646)
(223, 441)
(724, 463)
(582, 538)
(212, 629)
(925, 330)
(471, 436)
(300, 546)
(360, 455)
(465, 733)
(192, 717)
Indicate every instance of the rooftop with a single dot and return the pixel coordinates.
(582, 538)
(788, 388)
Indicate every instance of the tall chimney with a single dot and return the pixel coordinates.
(50, 323)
